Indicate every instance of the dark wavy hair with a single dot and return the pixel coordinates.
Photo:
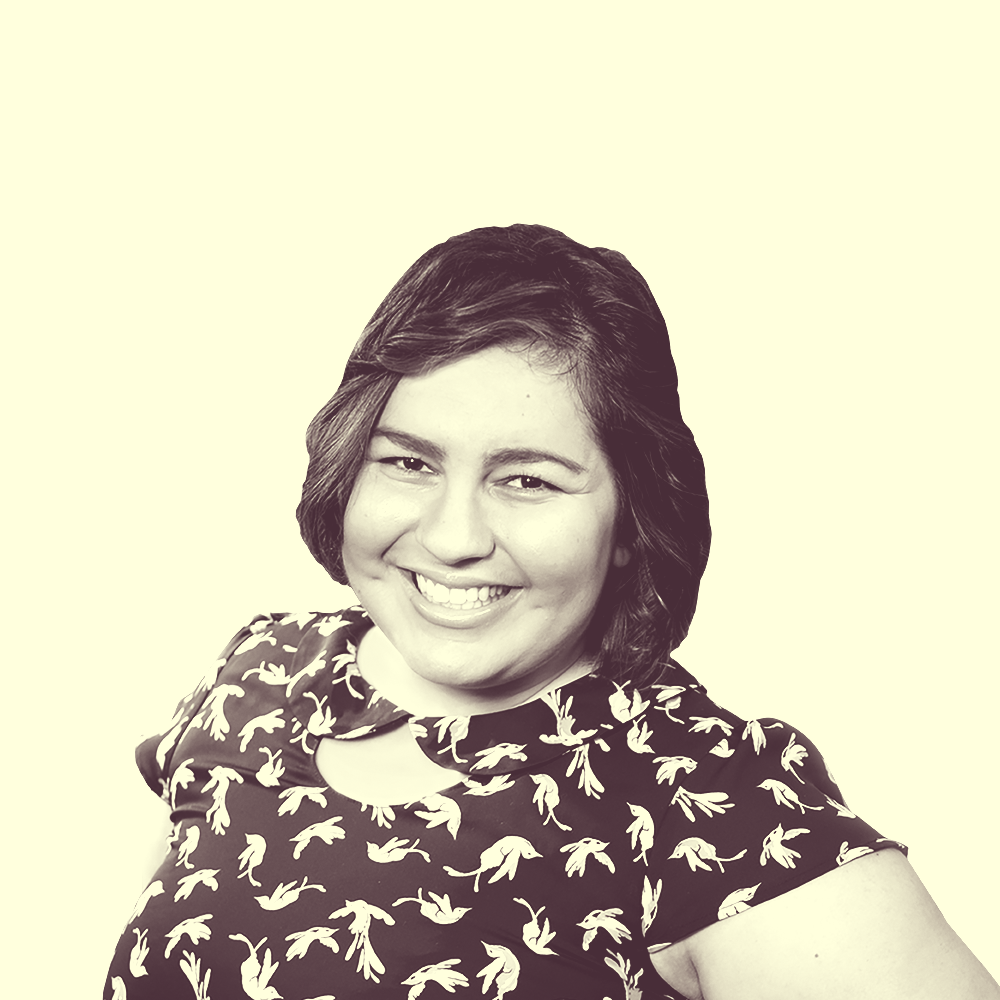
(590, 312)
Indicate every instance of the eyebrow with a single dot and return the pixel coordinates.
(504, 456)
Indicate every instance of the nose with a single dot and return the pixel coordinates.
(454, 527)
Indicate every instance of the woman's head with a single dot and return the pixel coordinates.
(585, 318)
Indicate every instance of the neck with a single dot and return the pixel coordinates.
(384, 668)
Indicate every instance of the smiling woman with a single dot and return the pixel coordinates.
(482, 549)
(498, 733)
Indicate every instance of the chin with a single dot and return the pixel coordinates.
(461, 669)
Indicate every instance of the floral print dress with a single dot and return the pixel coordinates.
(582, 829)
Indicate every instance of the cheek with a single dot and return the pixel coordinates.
(569, 554)
(370, 523)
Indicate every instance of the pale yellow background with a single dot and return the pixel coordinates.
(205, 202)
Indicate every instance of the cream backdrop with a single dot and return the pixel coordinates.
(206, 201)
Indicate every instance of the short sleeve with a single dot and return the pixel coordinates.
(153, 755)
(755, 817)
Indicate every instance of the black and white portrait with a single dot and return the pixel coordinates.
(561, 655)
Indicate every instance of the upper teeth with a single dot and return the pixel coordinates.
(465, 598)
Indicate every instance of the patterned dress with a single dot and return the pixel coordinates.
(582, 829)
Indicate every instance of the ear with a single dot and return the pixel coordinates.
(621, 557)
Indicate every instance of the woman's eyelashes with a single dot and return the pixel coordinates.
(529, 484)
(412, 467)
(407, 464)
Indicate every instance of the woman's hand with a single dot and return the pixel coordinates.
(867, 931)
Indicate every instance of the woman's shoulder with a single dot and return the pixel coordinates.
(273, 648)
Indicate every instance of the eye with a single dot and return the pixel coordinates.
(529, 484)
(406, 463)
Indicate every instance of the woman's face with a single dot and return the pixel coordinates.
(481, 528)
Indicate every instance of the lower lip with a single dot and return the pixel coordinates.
(437, 614)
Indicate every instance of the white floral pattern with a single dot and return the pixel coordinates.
(581, 830)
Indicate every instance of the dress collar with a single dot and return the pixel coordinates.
(566, 719)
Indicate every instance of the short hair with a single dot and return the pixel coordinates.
(590, 311)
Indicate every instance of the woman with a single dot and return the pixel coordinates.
(491, 776)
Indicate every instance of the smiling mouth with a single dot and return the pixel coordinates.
(459, 599)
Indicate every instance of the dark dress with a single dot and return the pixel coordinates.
(582, 828)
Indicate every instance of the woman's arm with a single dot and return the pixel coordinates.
(867, 931)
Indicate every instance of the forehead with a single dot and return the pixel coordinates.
(493, 395)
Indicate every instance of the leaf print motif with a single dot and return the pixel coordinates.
(172, 734)
(151, 890)
(755, 731)
(696, 852)
(268, 723)
(589, 847)
(320, 723)
(842, 810)
(502, 972)
(137, 957)
(286, 894)
(588, 781)
(722, 749)
(785, 796)
(564, 722)
(384, 816)
(437, 908)
(195, 928)
(737, 901)
(846, 855)
(204, 876)
(213, 712)
(303, 618)
(255, 975)
(301, 940)
(362, 912)
(705, 724)
(641, 831)
(453, 728)
(546, 798)
(294, 797)
(188, 846)
(498, 783)
(356, 733)
(671, 766)
(792, 756)
(181, 778)
(668, 698)
(273, 674)
(440, 973)
(623, 969)
(270, 772)
(605, 920)
(344, 668)
(309, 670)
(118, 988)
(534, 936)
(650, 902)
(191, 967)
(302, 738)
(638, 736)
(492, 756)
(219, 779)
(774, 847)
(326, 831)
(710, 803)
(252, 856)
(504, 855)
(624, 709)
(255, 639)
(438, 810)
(394, 849)
(331, 625)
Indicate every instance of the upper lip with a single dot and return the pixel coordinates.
(457, 583)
